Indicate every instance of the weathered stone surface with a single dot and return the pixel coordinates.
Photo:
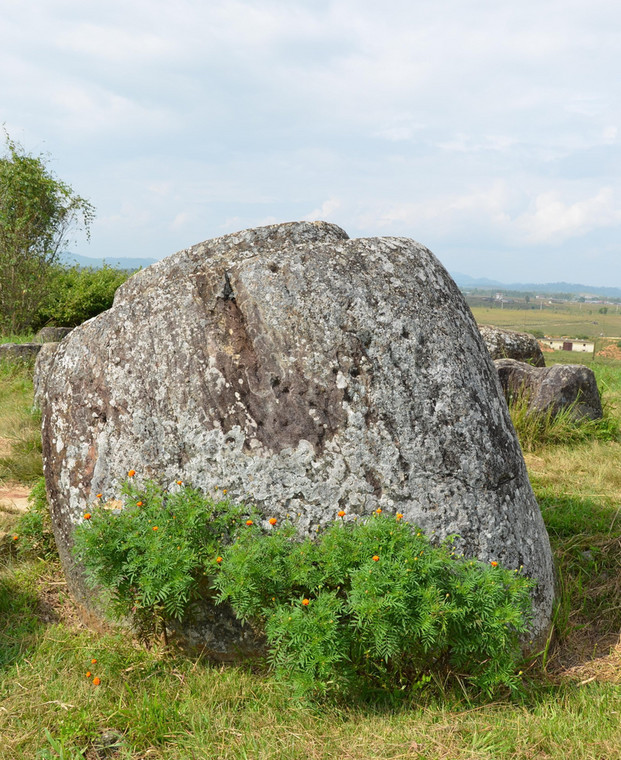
(52, 334)
(303, 371)
(553, 389)
(42, 367)
(19, 351)
(507, 344)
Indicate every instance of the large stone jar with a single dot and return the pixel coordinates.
(307, 373)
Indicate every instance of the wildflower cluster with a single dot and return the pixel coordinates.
(96, 679)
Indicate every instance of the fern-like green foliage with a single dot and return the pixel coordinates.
(151, 554)
(373, 603)
(370, 604)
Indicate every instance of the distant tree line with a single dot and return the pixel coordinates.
(76, 294)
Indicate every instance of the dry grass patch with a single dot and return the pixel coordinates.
(5, 446)
(591, 470)
(20, 436)
(579, 491)
(606, 669)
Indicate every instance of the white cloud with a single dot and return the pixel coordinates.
(610, 134)
(98, 111)
(325, 212)
(267, 220)
(181, 220)
(396, 134)
(161, 188)
(553, 220)
(492, 210)
(479, 206)
(129, 215)
(108, 42)
(462, 143)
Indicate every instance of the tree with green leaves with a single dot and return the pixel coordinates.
(37, 213)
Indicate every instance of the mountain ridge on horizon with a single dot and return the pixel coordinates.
(462, 280)
(116, 262)
(466, 281)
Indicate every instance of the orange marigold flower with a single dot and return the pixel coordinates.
(375, 558)
(131, 473)
(93, 661)
(15, 537)
(494, 564)
(96, 681)
(87, 515)
(139, 503)
(273, 521)
(218, 560)
(154, 527)
(99, 495)
(249, 522)
(224, 490)
(88, 674)
(399, 516)
(342, 513)
(378, 511)
(180, 482)
(306, 602)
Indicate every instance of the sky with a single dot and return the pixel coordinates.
(487, 130)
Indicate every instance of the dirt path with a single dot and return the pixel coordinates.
(14, 498)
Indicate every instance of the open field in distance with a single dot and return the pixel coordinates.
(568, 319)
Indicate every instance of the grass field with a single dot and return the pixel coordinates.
(165, 705)
(29, 338)
(558, 320)
(20, 440)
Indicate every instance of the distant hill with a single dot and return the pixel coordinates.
(465, 281)
(111, 261)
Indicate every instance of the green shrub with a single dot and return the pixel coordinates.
(370, 604)
(76, 294)
(152, 554)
